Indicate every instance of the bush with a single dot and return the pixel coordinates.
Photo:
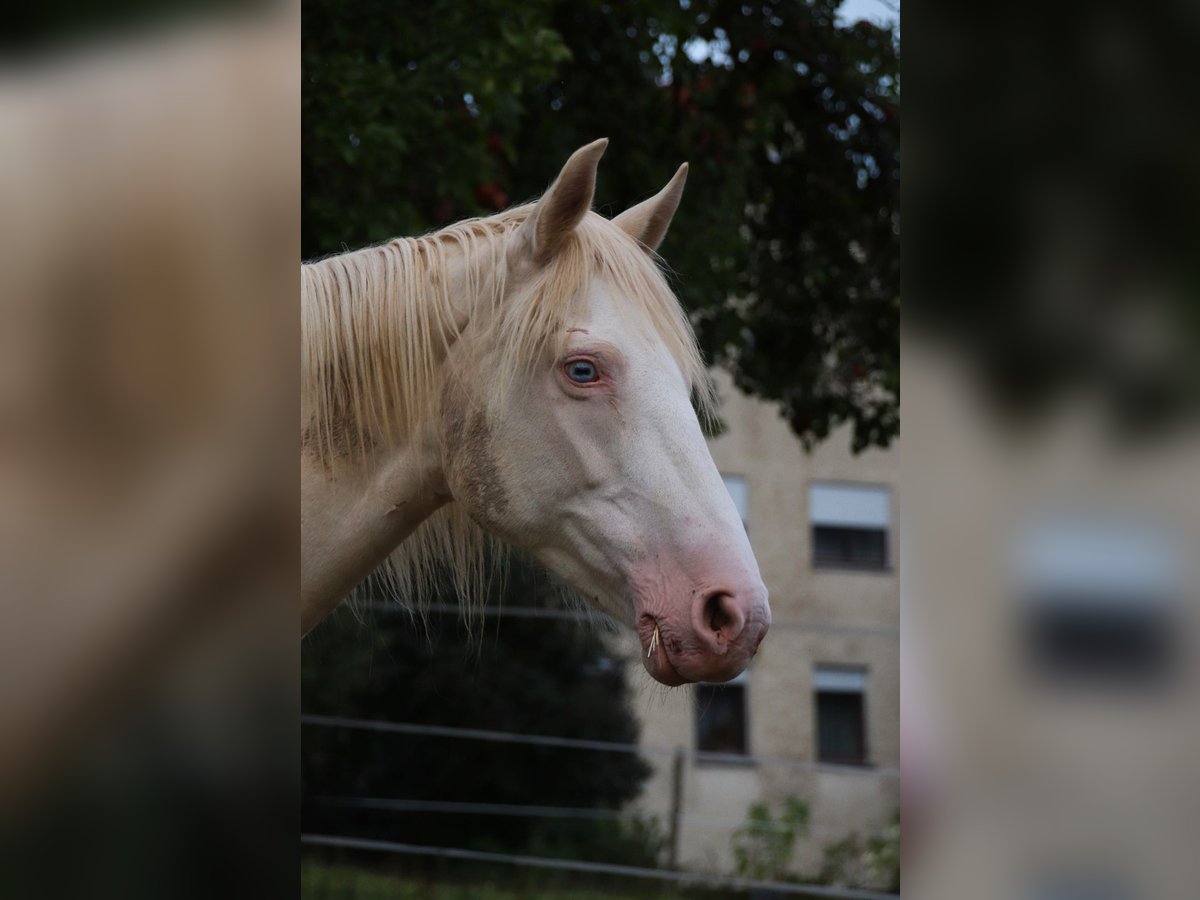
(763, 847)
(875, 864)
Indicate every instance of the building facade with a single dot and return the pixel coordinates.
(817, 715)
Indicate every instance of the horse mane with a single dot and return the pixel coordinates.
(377, 325)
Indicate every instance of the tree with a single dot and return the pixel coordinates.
(785, 249)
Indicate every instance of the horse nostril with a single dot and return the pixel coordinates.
(724, 617)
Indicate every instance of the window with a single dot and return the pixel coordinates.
(839, 698)
(721, 717)
(849, 526)
(1099, 603)
(736, 485)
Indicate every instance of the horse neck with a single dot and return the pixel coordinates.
(358, 507)
(353, 517)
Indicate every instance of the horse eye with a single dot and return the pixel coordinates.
(582, 372)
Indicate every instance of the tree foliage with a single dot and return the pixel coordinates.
(785, 248)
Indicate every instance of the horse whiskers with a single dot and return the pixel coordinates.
(653, 641)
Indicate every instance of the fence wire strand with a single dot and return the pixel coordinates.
(468, 808)
(542, 740)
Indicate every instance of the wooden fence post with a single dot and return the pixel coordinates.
(676, 808)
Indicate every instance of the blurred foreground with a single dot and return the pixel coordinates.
(148, 522)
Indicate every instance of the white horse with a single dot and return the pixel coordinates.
(528, 377)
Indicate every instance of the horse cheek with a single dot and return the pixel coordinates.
(471, 468)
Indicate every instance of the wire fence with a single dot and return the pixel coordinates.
(457, 807)
(699, 879)
(677, 754)
(542, 740)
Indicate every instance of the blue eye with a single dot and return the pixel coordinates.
(582, 372)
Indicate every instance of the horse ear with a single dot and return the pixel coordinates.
(565, 204)
(648, 221)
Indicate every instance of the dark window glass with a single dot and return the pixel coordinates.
(850, 548)
(1106, 643)
(721, 718)
(841, 736)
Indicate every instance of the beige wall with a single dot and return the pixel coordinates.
(819, 617)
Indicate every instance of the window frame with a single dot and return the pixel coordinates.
(721, 757)
(1098, 607)
(743, 514)
(864, 717)
(848, 565)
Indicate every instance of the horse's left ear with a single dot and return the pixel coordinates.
(565, 204)
(648, 221)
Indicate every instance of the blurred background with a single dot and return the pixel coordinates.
(1050, 451)
(531, 737)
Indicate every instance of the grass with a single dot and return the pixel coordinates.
(328, 881)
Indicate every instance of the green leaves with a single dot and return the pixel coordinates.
(785, 247)
(763, 846)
